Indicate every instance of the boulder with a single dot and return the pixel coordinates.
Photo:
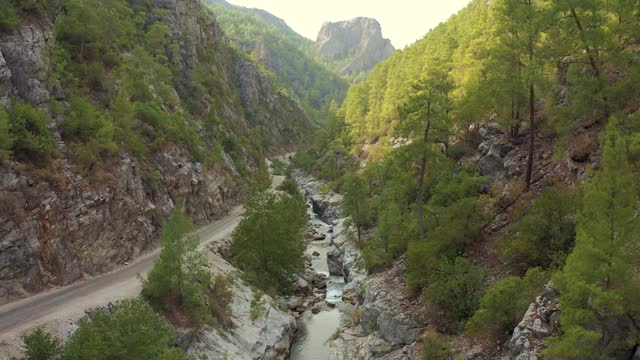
(5, 81)
(335, 262)
(319, 237)
(489, 160)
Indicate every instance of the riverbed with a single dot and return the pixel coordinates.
(315, 330)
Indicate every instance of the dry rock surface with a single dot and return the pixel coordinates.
(266, 337)
(539, 322)
(384, 324)
(358, 41)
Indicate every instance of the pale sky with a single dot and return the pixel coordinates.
(403, 21)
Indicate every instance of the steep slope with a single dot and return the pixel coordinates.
(285, 54)
(111, 122)
(371, 108)
(355, 46)
(495, 154)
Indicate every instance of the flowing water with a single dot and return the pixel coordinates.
(312, 338)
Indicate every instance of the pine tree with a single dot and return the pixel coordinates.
(598, 286)
(425, 116)
(356, 201)
(179, 276)
(268, 243)
(131, 330)
(525, 19)
(40, 345)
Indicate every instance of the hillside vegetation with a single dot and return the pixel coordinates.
(287, 55)
(559, 76)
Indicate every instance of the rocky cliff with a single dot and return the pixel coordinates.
(58, 224)
(265, 336)
(356, 44)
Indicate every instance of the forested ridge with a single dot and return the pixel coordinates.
(488, 173)
(289, 57)
(494, 155)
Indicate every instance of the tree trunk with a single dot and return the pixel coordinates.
(421, 174)
(592, 60)
(532, 114)
(82, 51)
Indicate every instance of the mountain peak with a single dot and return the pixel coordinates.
(358, 42)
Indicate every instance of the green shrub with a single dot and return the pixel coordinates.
(304, 159)
(435, 348)
(40, 345)
(268, 243)
(289, 186)
(504, 304)
(179, 280)
(221, 298)
(90, 134)
(132, 330)
(257, 308)
(8, 16)
(545, 235)
(450, 229)
(277, 167)
(457, 151)
(455, 288)
(33, 141)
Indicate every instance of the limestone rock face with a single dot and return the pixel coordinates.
(267, 337)
(24, 63)
(5, 81)
(390, 324)
(358, 41)
(53, 231)
(271, 111)
(539, 322)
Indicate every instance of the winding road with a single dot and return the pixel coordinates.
(59, 308)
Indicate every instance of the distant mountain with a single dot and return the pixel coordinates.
(354, 46)
(289, 56)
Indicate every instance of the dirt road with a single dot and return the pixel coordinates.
(58, 309)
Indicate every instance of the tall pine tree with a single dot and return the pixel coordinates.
(599, 288)
(425, 116)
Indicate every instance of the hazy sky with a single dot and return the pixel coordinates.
(403, 21)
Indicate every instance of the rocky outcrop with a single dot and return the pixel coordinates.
(325, 204)
(387, 325)
(490, 160)
(539, 322)
(279, 115)
(24, 71)
(5, 81)
(266, 337)
(358, 41)
(54, 231)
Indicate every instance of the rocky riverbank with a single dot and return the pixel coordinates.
(379, 322)
(267, 336)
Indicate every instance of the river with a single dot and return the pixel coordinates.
(315, 330)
